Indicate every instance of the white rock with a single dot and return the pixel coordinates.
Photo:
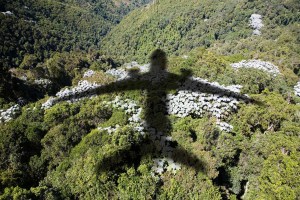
(82, 90)
(10, 113)
(297, 89)
(256, 32)
(43, 82)
(30, 21)
(88, 73)
(256, 23)
(224, 126)
(257, 64)
(7, 13)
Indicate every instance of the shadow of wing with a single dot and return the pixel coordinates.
(206, 87)
(123, 85)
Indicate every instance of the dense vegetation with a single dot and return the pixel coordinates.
(60, 152)
(178, 27)
(38, 30)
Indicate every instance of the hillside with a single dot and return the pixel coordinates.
(224, 26)
(39, 28)
(34, 31)
(218, 144)
(210, 111)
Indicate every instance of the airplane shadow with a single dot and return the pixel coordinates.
(157, 82)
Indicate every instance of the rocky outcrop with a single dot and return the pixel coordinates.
(7, 13)
(165, 164)
(124, 72)
(256, 23)
(257, 64)
(9, 114)
(297, 89)
(88, 73)
(43, 82)
(119, 73)
(188, 101)
(82, 90)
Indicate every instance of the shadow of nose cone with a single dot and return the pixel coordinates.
(158, 60)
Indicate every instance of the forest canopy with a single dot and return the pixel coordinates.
(228, 99)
